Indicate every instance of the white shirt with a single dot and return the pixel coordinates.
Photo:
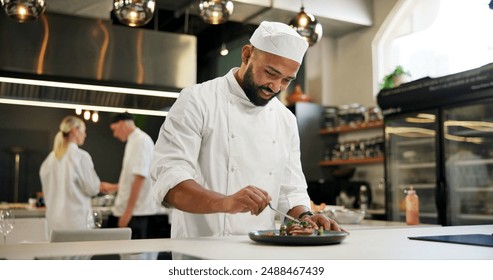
(216, 136)
(137, 160)
(68, 185)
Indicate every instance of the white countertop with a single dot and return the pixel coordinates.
(377, 244)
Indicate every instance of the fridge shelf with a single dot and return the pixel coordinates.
(422, 214)
(352, 161)
(482, 217)
(474, 189)
(483, 131)
(416, 165)
(416, 142)
(474, 162)
(417, 186)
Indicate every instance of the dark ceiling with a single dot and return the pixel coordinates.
(210, 37)
(182, 16)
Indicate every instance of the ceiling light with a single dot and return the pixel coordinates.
(134, 12)
(215, 11)
(81, 107)
(224, 50)
(95, 117)
(87, 115)
(23, 10)
(61, 105)
(307, 26)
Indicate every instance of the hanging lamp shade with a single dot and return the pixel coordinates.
(307, 26)
(215, 11)
(134, 12)
(24, 10)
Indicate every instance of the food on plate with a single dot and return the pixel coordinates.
(283, 230)
(303, 228)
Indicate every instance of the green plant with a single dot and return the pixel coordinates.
(389, 80)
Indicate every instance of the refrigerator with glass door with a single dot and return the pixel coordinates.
(439, 140)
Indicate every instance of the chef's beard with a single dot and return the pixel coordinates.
(252, 90)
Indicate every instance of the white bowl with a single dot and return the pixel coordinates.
(346, 216)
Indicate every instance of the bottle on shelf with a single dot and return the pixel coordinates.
(412, 207)
(363, 198)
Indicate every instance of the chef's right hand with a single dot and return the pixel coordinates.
(108, 188)
(249, 199)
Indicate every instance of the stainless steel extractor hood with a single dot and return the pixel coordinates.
(93, 63)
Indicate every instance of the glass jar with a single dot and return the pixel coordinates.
(343, 115)
(374, 114)
(330, 117)
(356, 113)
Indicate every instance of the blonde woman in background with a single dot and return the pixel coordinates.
(68, 178)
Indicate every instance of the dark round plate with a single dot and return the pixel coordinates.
(272, 237)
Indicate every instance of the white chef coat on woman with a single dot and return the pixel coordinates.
(216, 136)
(136, 161)
(68, 185)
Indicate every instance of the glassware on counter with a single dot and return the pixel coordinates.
(7, 222)
(94, 219)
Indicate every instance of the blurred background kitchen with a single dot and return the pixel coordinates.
(102, 65)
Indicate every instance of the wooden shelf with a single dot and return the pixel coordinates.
(352, 161)
(355, 127)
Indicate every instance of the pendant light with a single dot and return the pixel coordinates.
(215, 11)
(224, 50)
(134, 12)
(307, 26)
(23, 10)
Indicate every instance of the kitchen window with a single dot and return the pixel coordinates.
(434, 38)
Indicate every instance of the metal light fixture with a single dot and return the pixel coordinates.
(224, 50)
(307, 26)
(215, 11)
(23, 10)
(134, 12)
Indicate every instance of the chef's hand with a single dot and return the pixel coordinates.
(108, 188)
(319, 220)
(249, 199)
(124, 220)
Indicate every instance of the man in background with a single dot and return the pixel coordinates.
(134, 201)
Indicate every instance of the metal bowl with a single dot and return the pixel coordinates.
(346, 216)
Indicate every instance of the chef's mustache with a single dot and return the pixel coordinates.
(269, 90)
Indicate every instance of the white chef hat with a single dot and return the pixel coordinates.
(279, 39)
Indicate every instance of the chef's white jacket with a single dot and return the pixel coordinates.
(68, 185)
(137, 159)
(216, 136)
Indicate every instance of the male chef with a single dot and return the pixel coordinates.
(229, 147)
